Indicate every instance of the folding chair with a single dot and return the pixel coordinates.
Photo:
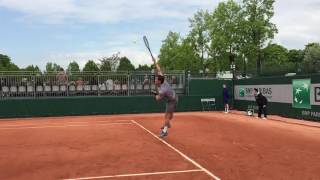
(208, 104)
(5, 90)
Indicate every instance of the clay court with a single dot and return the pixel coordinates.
(200, 145)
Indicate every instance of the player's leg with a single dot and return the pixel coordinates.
(265, 111)
(260, 112)
(226, 107)
(168, 116)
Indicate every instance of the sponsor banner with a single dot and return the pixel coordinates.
(301, 93)
(275, 93)
(315, 94)
(310, 114)
(280, 93)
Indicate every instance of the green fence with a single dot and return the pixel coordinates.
(279, 91)
(60, 84)
(210, 88)
(59, 106)
(90, 106)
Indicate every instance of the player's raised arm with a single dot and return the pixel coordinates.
(157, 66)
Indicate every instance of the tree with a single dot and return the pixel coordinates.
(309, 45)
(169, 51)
(6, 64)
(258, 27)
(73, 67)
(13, 67)
(178, 54)
(4, 61)
(90, 66)
(144, 67)
(32, 68)
(275, 55)
(296, 56)
(275, 60)
(125, 65)
(187, 58)
(312, 57)
(52, 67)
(199, 36)
(105, 64)
(225, 26)
(110, 63)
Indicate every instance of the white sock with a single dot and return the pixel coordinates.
(165, 129)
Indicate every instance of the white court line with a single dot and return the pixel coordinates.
(179, 152)
(58, 123)
(122, 120)
(63, 126)
(111, 121)
(141, 174)
(33, 124)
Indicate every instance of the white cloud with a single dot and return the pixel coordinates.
(298, 22)
(102, 11)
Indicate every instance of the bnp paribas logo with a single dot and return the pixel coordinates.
(301, 93)
(241, 92)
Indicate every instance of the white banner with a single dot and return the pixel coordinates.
(280, 93)
(315, 94)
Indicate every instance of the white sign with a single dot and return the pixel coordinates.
(317, 94)
(274, 93)
(280, 93)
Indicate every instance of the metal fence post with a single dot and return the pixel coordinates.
(34, 84)
(99, 84)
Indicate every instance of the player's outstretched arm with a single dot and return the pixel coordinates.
(157, 66)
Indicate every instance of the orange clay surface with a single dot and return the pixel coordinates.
(227, 146)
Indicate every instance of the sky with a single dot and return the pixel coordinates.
(60, 31)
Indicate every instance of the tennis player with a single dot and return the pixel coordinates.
(167, 93)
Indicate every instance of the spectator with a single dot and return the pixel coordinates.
(225, 98)
(62, 77)
(110, 83)
(79, 82)
(93, 81)
(2, 83)
(262, 103)
(145, 81)
(174, 80)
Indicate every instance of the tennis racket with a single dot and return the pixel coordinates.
(146, 42)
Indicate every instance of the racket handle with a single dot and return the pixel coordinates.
(154, 92)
